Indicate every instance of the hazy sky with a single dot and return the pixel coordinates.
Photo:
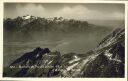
(80, 11)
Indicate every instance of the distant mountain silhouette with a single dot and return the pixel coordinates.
(31, 23)
(28, 28)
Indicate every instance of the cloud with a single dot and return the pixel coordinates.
(82, 12)
(30, 9)
(77, 11)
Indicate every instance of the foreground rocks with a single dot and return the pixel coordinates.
(106, 60)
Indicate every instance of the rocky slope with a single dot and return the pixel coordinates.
(106, 60)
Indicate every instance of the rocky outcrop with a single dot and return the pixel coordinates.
(40, 62)
(106, 60)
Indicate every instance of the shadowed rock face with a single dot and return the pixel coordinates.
(106, 60)
(31, 56)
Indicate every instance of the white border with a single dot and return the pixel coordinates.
(63, 1)
(126, 35)
(64, 79)
(1, 38)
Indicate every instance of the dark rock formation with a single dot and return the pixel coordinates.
(31, 56)
(107, 60)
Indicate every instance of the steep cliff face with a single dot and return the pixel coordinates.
(111, 57)
(106, 60)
